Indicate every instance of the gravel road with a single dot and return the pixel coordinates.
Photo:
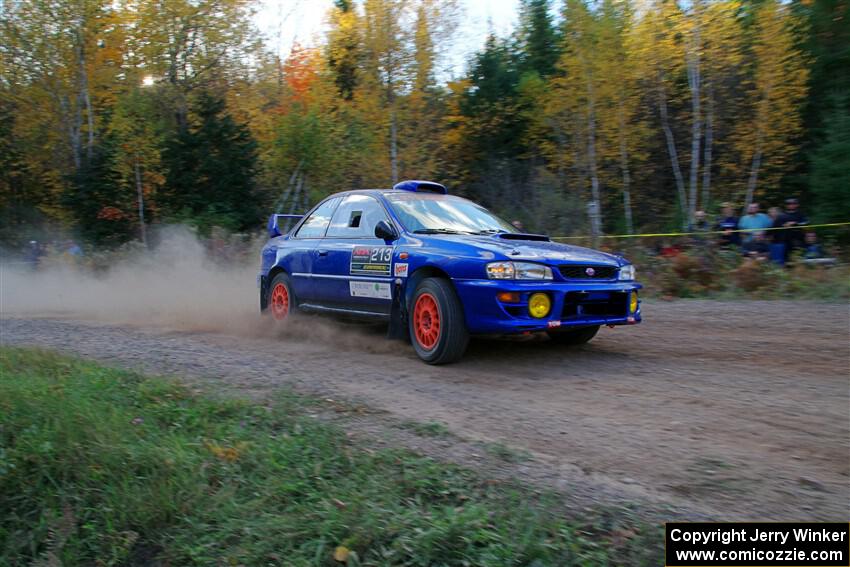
(725, 410)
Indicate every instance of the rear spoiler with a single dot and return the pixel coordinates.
(274, 226)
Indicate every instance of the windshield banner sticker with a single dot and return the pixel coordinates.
(371, 260)
(375, 290)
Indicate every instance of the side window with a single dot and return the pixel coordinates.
(317, 222)
(356, 217)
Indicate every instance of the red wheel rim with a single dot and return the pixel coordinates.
(426, 321)
(279, 303)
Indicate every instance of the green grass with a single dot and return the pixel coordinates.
(427, 428)
(508, 454)
(100, 466)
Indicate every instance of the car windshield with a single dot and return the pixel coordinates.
(439, 214)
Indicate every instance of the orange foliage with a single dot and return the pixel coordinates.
(300, 73)
(111, 213)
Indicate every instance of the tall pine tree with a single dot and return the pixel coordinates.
(210, 169)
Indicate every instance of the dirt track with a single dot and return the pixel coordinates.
(737, 410)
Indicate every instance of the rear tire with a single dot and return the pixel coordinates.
(576, 337)
(281, 301)
(436, 323)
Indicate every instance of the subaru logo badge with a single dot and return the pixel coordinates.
(590, 272)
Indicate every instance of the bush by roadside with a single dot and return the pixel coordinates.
(106, 467)
(725, 275)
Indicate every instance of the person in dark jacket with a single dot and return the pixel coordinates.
(792, 220)
(756, 248)
(776, 239)
(728, 223)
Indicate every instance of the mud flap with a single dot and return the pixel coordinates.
(397, 328)
(264, 296)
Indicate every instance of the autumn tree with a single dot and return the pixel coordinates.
(622, 129)
(722, 55)
(188, 45)
(779, 75)
(656, 42)
(137, 152)
(574, 102)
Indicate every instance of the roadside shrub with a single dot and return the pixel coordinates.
(751, 275)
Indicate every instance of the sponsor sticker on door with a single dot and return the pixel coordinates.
(375, 290)
(371, 260)
(400, 270)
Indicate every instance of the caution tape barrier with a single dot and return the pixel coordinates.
(797, 227)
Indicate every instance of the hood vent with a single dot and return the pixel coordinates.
(521, 236)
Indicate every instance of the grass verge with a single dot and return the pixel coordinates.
(100, 466)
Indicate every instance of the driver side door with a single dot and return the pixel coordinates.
(352, 268)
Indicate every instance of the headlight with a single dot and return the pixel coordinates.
(518, 271)
(627, 272)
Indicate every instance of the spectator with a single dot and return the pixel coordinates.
(728, 223)
(700, 228)
(813, 249)
(34, 254)
(73, 249)
(776, 239)
(753, 221)
(700, 224)
(757, 247)
(813, 252)
(791, 219)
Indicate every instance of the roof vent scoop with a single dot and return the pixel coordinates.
(421, 187)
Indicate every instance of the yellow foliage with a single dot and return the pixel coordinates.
(226, 453)
(341, 554)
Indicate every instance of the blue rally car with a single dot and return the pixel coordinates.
(439, 268)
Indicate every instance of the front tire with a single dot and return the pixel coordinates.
(437, 327)
(575, 337)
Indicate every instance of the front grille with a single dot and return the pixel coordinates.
(579, 304)
(580, 272)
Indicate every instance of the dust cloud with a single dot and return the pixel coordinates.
(177, 285)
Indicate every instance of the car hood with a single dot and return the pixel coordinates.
(536, 249)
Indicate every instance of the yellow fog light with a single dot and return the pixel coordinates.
(539, 305)
(633, 302)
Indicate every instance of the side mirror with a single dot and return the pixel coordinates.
(384, 231)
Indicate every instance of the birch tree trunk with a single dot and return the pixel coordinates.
(73, 121)
(754, 173)
(709, 143)
(694, 81)
(290, 186)
(595, 211)
(393, 147)
(140, 196)
(83, 96)
(624, 167)
(671, 150)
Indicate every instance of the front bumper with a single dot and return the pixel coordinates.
(574, 304)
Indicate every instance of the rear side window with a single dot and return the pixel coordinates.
(317, 222)
(356, 217)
